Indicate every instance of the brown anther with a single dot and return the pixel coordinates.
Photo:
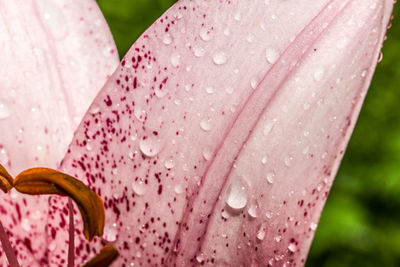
(43, 181)
(106, 256)
(6, 181)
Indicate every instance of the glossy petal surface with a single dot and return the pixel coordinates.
(217, 139)
(55, 56)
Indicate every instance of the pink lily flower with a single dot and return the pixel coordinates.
(216, 140)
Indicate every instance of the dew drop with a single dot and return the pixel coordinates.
(169, 164)
(271, 55)
(264, 160)
(4, 158)
(270, 177)
(209, 90)
(200, 258)
(26, 225)
(110, 233)
(206, 124)
(250, 38)
(237, 195)
(205, 34)
(175, 59)
(150, 146)
(227, 32)
(220, 58)
(94, 109)
(253, 83)
(198, 51)
(278, 238)
(237, 16)
(4, 111)
(268, 126)
(253, 209)
(52, 18)
(288, 161)
(179, 189)
(268, 214)
(292, 247)
(140, 113)
(319, 74)
(229, 90)
(167, 39)
(207, 153)
(313, 226)
(262, 231)
(138, 187)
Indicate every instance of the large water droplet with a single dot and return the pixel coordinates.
(220, 57)
(237, 195)
(139, 187)
(150, 146)
(4, 111)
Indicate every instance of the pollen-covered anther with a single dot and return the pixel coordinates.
(43, 181)
(106, 256)
(6, 181)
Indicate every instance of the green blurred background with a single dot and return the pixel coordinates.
(360, 225)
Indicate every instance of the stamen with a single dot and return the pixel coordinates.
(11, 257)
(6, 180)
(71, 243)
(38, 181)
(106, 256)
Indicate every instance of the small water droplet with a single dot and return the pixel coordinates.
(110, 233)
(207, 153)
(288, 161)
(278, 238)
(205, 34)
(268, 126)
(229, 90)
(253, 209)
(4, 158)
(175, 59)
(200, 258)
(140, 113)
(313, 226)
(94, 109)
(264, 160)
(262, 231)
(206, 124)
(139, 187)
(179, 189)
(167, 39)
(237, 16)
(26, 225)
(227, 32)
(250, 38)
(4, 111)
(209, 90)
(268, 214)
(271, 55)
(292, 247)
(198, 51)
(319, 74)
(254, 83)
(150, 146)
(270, 177)
(237, 195)
(220, 58)
(169, 163)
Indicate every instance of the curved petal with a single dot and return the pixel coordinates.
(55, 56)
(216, 140)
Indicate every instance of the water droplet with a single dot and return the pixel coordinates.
(319, 74)
(205, 34)
(167, 39)
(4, 158)
(206, 124)
(288, 161)
(207, 153)
(175, 59)
(198, 51)
(179, 189)
(89, 146)
(53, 245)
(253, 209)
(229, 90)
(250, 38)
(139, 187)
(237, 16)
(227, 32)
(220, 58)
(209, 90)
(262, 231)
(271, 55)
(268, 214)
(140, 113)
(110, 233)
(237, 195)
(278, 238)
(270, 177)
(26, 225)
(200, 258)
(4, 111)
(94, 109)
(169, 163)
(313, 226)
(150, 146)
(253, 83)
(268, 126)
(292, 247)
(178, 15)
(264, 160)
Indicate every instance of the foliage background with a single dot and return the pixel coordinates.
(360, 225)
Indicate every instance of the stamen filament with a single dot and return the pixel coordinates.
(71, 243)
(11, 257)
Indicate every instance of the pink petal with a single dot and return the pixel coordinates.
(217, 139)
(55, 56)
